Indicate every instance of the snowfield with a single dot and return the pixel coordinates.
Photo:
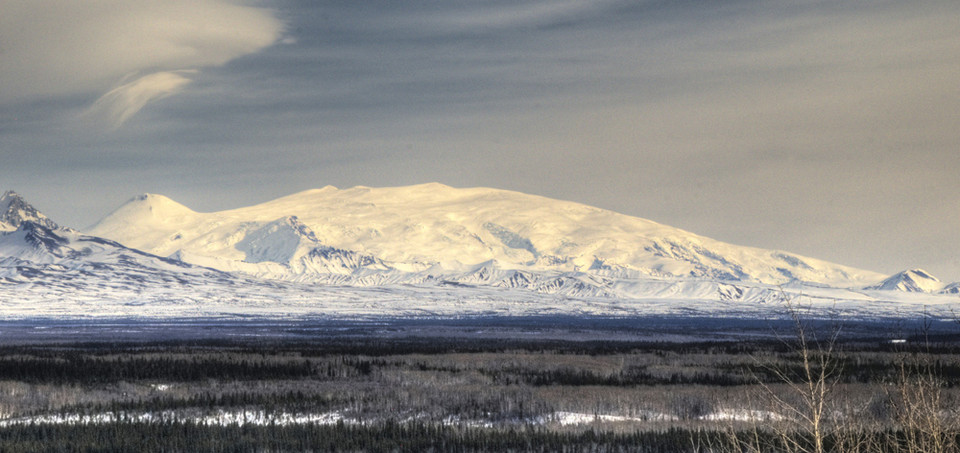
(449, 230)
(427, 251)
(71, 293)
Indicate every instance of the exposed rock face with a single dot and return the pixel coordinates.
(14, 211)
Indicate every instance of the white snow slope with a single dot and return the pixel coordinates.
(420, 251)
(913, 280)
(451, 230)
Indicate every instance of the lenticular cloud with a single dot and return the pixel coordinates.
(124, 101)
(60, 48)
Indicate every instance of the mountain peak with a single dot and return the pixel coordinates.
(14, 211)
(151, 205)
(152, 199)
(431, 223)
(921, 274)
(145, 215)
(911, 280)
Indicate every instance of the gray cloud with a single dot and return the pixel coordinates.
(68, 47)
(820, 127)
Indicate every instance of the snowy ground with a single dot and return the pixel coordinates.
(211, 298)
(263, 418)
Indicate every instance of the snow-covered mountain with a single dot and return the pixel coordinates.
(916, 281)
(421, 251)
(953, 288)
(913, 281)
(42, 256)
(387, 231)
(14, 211)
(49, 270)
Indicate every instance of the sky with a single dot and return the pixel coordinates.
(825, 128)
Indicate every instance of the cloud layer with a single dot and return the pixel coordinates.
(60, 48)
(820, 127)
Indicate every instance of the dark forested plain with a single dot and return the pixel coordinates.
(807, 389)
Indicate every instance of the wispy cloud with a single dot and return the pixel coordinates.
(119, 104)
(63, 48)
(522, 15)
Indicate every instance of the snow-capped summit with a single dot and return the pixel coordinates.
(912, 281)
(40, 262)
(14, 210)
(149, 209)
(421, 226)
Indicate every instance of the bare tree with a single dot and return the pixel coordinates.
(924, 420)
(803, 419)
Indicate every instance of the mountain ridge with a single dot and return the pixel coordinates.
(14, 210)
(430, 224)
(62, 273)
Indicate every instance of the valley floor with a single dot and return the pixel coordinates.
(515, 385)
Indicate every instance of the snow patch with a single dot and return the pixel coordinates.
(278, 241)
(579, 418)
(743, 415)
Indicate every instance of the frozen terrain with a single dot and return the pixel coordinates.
(426, 251)
(366, 231)
(263, 418)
